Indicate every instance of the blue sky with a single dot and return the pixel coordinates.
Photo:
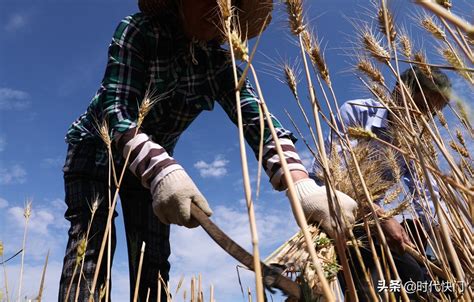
(52, 58)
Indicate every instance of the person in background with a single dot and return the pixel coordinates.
(374, 117)
(171, 48)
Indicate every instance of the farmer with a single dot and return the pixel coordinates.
(171, 48)
(373, 116)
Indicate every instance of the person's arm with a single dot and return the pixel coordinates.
(249, 105)
(121, 95)
(313, 198)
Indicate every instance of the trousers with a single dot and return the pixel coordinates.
(86, 183)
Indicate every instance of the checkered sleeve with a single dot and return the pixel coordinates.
(249, 104)
(123, 85)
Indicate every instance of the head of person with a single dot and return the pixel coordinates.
(436, 89)
(200, 19)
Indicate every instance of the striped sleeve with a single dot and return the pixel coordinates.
(249, 105)
(148, 160)
(272, 163)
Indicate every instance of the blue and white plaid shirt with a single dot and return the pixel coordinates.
(373, 116)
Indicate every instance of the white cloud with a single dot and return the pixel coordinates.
(38, 222)
(16, 22)
(11, 99)
(32, 278)
(12, 175)
(193, 252)
(217, 168)
(52, 162)
(3, 203)
(47, 229)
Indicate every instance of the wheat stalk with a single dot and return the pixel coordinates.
(294, 9)
(430, 25)
(139, 273)
(318, 61)
(236, 46)
(459, 149)
(425, 68)
(386, 24)
(373, 46)
(366, 66)
(4, 271)
(454, 59)
(43, 275)
(27, 215)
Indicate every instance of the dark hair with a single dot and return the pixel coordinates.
(437, 81)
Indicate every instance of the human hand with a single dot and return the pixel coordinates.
(396, 235)
(315, 205)
(172, 199)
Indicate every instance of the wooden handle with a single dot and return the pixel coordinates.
(271, 277)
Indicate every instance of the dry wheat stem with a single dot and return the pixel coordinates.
(447, 67)
(379, 233)
(464, 44)
(158, 292)
(386, 23)
(442, 12)
(5, 275)
(296, 205)
(333, 203)
(27, 215)
(43, 275)
(442, 220)
(81, 248)
(454, 59)
(246, 178)
(139, 273)
(313, 153)
(260, 150)
(370, 70)
(94, 208)
(142, 114)
(144, 109)
(339, 241)
(430, 25)
(375, 257)
(305, 116)
(108, 226)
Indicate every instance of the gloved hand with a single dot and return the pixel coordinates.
(315, 205)
(172, 199)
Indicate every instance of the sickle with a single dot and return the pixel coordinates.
(271, 277)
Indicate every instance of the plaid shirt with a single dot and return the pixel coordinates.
(373, 116)
(152, 53)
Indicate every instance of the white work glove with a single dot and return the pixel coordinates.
(172, 199)
(315, 205)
